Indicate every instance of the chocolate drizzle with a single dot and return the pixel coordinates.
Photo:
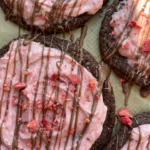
(127, 87)
(53, 19)
(19, 109)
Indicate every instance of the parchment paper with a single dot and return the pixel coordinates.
(9, 31)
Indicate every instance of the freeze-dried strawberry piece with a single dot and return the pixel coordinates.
(125, 112)
(74, 79)
(71, 131)
(54, 77)
(6, 88)
(134, 24)
(20, 85)
(146, 46)
(93, 84)
(126, 45)
(32, 126)
(46, 124)
(126, 121)
(122, 80)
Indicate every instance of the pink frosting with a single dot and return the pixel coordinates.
(82, 6)
(145, 138)
(34, 65)
(130, 45)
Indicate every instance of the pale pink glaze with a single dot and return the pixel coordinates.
(137, 35)
(145, 138)
(86, 99)
(82, 6)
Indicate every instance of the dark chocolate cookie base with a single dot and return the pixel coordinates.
(124, 133)
(117, 62)
(66, 25)
(91, 64)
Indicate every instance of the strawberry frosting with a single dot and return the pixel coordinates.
(71, 8)
(143, 132)
(131, 25)
(25, 86)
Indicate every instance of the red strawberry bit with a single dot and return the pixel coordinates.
(74, 79)
(46, 124)
(6, 88)
(125, 112)
(55, 122)
(87, 120)
(24, 107)
(26, 72)
(71, 131)
(122, 80)
(54, 77)
(38, 147)
(29, 144)
(134, 24)
(97, 97)
(20, 85)
(39, 104)
(146, 46)
(73, 89)
(126, 45)
(126, 121)
(32, 126)
(48, 127)
(113, 33)
(93, 84)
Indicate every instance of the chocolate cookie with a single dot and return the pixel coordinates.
(124, 134)
(32, 49)
(124, 37)
(53, 16)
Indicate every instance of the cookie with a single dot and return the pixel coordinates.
(47, 87)
(50, 16)
(136, 137)
(123, 40)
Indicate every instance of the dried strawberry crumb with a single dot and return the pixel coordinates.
(38, 147)
(73, 89)
(20, 85)
(126, 121)
(24, 107)
(134, 24)
(48, 127)
(29, 144)
(122, 80)
(74, 79)
(146, 46)
(87, 120)
(32, 126)
(54, 77)
(39, 104)
(97, 97)
(125, 112)
(6, 88)
(113, 33)
(93, 84)
(55, 122)
(71, 131)
(26, 72)
(126, 45)
(63, 96)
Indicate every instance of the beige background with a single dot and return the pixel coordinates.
(9, 31)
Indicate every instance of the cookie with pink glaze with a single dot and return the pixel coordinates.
(135, 137)
(50, 15)
(125, 39)
(53, 97)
